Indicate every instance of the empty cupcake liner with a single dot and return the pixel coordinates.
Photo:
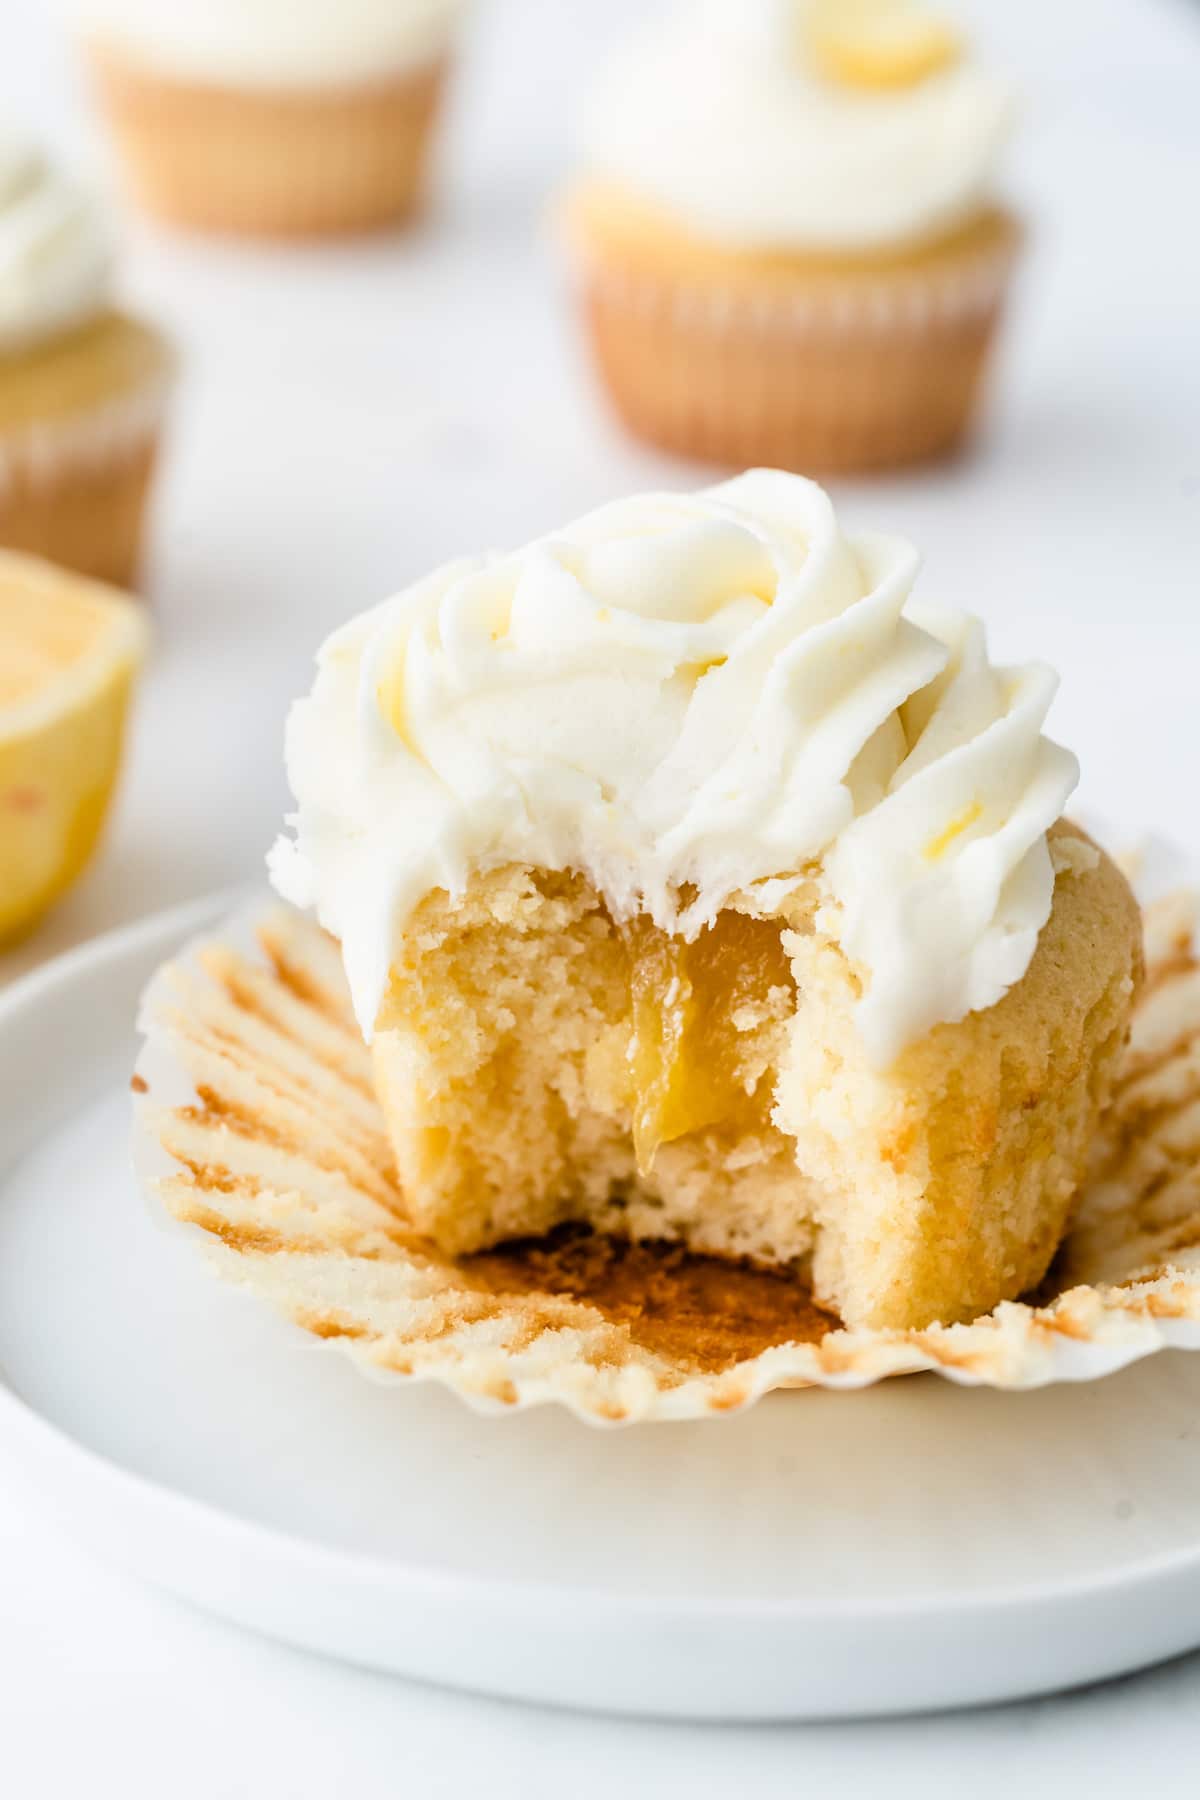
(258, 1130)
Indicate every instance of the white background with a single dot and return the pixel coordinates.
(349, 417)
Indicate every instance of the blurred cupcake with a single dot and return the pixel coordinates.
(785, 234)
(82, 385)
(288, 118)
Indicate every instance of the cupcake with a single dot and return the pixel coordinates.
(694, 884)
(281, 118)
(82, 384)
(784, 233)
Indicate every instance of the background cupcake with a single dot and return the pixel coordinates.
(82, 385)
(788, 247)
(280, 117)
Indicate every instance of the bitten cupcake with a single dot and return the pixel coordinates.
(785, 232)
(695, 884)
(288, 118)
(82, 385)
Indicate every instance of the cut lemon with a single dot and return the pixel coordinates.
(879, 43)
(69, 653)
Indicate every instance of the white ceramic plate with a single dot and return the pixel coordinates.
(915, 1545)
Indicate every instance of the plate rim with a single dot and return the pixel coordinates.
(170, 928)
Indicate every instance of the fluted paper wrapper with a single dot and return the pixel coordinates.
(300, 163)
(258, 1128)
(74, 490)
(823, 377)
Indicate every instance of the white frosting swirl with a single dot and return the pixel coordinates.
(274, 43)
(56, 250)
(717, 115)
(684, 696)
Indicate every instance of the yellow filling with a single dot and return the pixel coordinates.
(685, 1056)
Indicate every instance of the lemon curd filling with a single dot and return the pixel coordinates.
(686, 1002)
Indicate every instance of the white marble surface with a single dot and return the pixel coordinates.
(350, 416)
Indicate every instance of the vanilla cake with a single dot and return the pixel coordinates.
(694, 883)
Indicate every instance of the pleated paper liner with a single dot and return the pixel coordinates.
(79, 440)
(866, 370)
(257, 1127)
(287, 163)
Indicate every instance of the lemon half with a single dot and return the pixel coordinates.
(70, 651)
(879, 43)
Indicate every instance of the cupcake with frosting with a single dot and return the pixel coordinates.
(285, 118)
(696, 882)
(785, 231)
(82, 384)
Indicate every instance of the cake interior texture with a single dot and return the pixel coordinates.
(540, 1062)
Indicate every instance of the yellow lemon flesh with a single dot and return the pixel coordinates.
(69, 652)
(879, 43)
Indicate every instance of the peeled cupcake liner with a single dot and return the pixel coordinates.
(257, 1131)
